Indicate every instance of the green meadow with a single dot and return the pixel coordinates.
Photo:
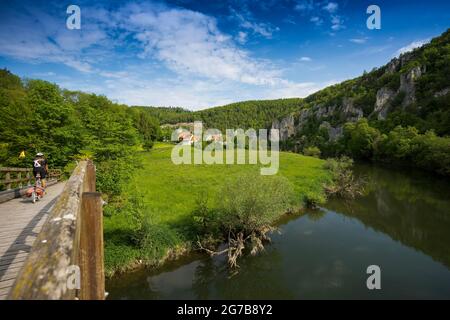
(166, 195)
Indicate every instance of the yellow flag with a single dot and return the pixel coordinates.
(22, 154)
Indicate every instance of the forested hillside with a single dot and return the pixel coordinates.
(246, 114)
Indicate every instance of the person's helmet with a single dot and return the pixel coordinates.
(39, 154)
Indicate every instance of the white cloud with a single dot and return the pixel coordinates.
(42, 37)
(241, 37)
(247, 22)
(412, 46)
(190, 43)
(305, 59)
(359, 40)
(321, 11)
(336, 22)
(317, 20)
(331, 7)
(304, 5)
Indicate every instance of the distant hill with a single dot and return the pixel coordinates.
(246, 114)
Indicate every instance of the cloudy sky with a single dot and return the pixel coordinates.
(198, 54)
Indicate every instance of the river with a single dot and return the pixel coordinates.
(402, 225)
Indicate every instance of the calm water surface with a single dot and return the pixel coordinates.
(402, 225)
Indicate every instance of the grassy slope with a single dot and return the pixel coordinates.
(170, 192)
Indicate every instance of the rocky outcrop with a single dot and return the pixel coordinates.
(289, 125)
(347, 112)
(334, 133)
(442, 93)
(303, 117)
(350, 113)
(392, 66)
(407, 85)
(382, 104)
(323, 111)
(286, 126)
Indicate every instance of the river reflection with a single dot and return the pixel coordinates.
(401, 225)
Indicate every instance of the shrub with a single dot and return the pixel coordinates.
(432, 152)
(246, 209)
(253, 201)
(313, 199)
(344, 184)
(312, 151)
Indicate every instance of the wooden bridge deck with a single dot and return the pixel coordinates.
(20, 223)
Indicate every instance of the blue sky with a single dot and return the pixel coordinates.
(198, 54)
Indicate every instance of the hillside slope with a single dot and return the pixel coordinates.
(411, 90)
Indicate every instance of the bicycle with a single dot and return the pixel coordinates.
(37, 192)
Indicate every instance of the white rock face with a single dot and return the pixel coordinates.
(407, 85)
(334, 133)
(323, 111)
(351, 113)
(286, 127)
(384, 97)
(392, 66)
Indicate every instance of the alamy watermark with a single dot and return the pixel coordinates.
(374, 280)
(237, 147)
(74, 20)
(374, 20)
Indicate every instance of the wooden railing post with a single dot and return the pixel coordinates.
(91, 247)
(89, 181)
(7, 178)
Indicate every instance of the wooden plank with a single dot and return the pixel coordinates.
(10, 274)
(16, 247)
(91, 247)
(4, 261)
(7, 246)
(9, 254)
(6, 284)
(12, 265)
(7, 169)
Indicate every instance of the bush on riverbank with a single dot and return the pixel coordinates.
(345, 184)
(246, 209)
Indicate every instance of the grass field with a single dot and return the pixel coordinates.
(168, 194)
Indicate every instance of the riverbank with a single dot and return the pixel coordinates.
(161, 198)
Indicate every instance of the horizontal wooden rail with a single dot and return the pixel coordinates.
(66, 260)
(8, 180)
(21, 178)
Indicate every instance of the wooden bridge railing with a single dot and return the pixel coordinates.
(14, 179)
(66, 260)
(24, 175)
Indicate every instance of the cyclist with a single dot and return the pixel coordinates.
(40, 167)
